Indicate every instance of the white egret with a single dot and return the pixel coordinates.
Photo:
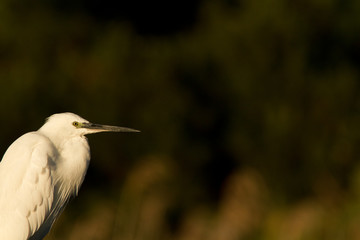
(40, 171)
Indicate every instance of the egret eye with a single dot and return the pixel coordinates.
(76, 124)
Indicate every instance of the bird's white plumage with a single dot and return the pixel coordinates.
(26, 186)
(40, 171)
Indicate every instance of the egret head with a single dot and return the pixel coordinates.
(68, 125)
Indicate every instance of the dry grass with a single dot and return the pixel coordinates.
(246, 210)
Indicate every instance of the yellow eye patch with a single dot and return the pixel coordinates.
(76, 124)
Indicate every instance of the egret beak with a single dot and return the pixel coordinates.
(106, 128)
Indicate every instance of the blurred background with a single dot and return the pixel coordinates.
(249, 112)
